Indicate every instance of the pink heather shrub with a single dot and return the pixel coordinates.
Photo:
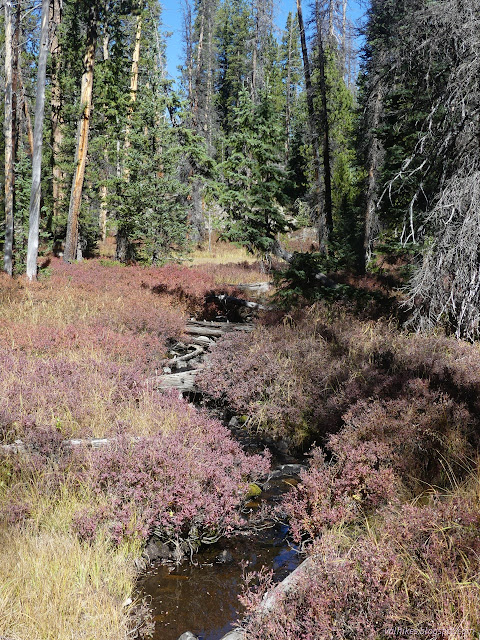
(286, 379)
(60, 391)
(415, 571)
(177, 284)
(297, 378)
(388, 449)
(341, 492)
(187, 482)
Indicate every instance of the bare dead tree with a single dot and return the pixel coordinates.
(446, 286)
(445, 290)
(34, 220)
(9, 166)
(71, 241)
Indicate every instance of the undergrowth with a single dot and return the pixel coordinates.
(76, 350)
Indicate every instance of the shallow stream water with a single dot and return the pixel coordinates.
(203, 597)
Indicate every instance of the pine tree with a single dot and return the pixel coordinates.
(255, 182)
(34, 213)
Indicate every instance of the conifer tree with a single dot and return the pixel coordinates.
(254, 180)
(9, 148)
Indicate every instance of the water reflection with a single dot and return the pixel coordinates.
(204, 598)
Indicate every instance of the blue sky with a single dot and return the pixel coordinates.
(172, 22)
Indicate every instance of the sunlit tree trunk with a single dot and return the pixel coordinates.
(56, 8)
(71, 242)
(9, 168)
(25, 110)
(103, 188)
(34, 220)
(123, 242)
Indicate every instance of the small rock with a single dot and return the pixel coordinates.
(253, 490)
(140, 564)
(224, 557)
(288, 470)
(282, 446)
(167, 370)
(234, 422)
(188, 635)
(236, 634)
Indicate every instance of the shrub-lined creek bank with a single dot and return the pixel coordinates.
(200, 595)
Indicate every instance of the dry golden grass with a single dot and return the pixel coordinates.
(221, 253)
(55, 587)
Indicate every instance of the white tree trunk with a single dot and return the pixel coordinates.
(34, 221)
(9, 169)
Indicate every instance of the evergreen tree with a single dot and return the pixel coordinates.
(255, 182)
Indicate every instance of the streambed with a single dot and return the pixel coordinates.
(203, 597)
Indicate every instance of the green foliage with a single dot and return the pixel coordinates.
(234, 26)
(299, 281)
(254, 179)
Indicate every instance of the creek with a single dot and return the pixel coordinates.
(203, 597)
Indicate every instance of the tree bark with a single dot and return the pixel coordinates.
(56, 8)
(312, 126)
(103, 188)
(16, 83)
(287, 94)
(34, 221)
(372, 223)
(9, 168)
(124, 251)
(71, 242)
(26, 110)
(325, 125)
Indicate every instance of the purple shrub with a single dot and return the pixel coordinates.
(415, 574)
(387, 450)
(184, 484)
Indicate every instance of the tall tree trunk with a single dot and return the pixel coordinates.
(372, 223)
(71, 242)
(188, 37)
(198, 79)
(16, 82)
(9, 168)
(26, 111)
(344, 40)
(288, 95)
(34, 221)
(103, 188)
(123, 251)
(56, 8)
(313, 129)
(325, 126)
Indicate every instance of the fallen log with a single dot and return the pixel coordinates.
(184, 381)
(188, 356)
(236, 302)
(256, 287)
(215, 329)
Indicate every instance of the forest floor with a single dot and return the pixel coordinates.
(389, 509)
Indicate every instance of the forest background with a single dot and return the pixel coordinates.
(266, 129)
